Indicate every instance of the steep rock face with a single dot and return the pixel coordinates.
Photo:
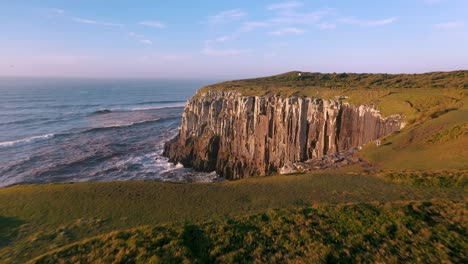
(244, 136)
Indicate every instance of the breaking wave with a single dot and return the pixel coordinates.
(25, 140)
(139, 108)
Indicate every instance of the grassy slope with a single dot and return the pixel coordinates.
(42, 218)
(38, 218)
(435, 144)
(410, 232)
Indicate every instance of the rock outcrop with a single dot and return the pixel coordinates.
(242, 136)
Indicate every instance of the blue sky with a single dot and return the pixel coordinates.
(230, 39)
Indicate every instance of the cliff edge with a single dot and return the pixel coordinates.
(243, 136)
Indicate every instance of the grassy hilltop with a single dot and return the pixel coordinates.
(406, 94)
(409, 206)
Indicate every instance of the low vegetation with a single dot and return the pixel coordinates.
(429, 178)
(409, 232)
(36, 219)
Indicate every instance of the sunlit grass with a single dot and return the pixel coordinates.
(40, 218)
(427, 232)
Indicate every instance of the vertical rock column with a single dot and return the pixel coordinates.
(243, 136)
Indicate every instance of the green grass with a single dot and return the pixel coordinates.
(428, 178)
(414, 211)
(439, 143)
(409, 232)
(42, 218)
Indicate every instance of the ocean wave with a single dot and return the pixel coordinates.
(94, 129)
(139, 108)
(34, 139)
(25, 140)
(102, 111)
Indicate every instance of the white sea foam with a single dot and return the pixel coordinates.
(127, 124)
(25, 141)
(138, 108)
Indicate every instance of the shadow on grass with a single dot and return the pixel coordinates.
(8, 229)
(197, 243)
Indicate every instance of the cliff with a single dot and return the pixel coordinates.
(242, 136)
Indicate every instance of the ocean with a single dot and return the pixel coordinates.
(77, 130)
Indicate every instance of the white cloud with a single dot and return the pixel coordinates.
(252, 25)
(57, 11)
(141, 38)
(450, 25)
(376, 23)
(209, 51)
(226, 16)
(285, 5)
(95, 22)
(369, 23)
(146, 41)
(135, 35)
(153, 24)
(287, 31)
(300, 17)
(223, 39)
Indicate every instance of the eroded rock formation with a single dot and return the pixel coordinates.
(243, 136)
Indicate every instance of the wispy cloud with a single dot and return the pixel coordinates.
(209, 51)
(252, 25)
(226, 16)
(285, 5)
(223, 38)
(293, 17)
(95, 22)
(57, 11)
(219, 40)
(287, 31)
(135, 35)
(153, 24)
(140, 37)
(450, 25)
(210, 48)
(369, 23)
(146, 41)
(376, 23)
(81, 20)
